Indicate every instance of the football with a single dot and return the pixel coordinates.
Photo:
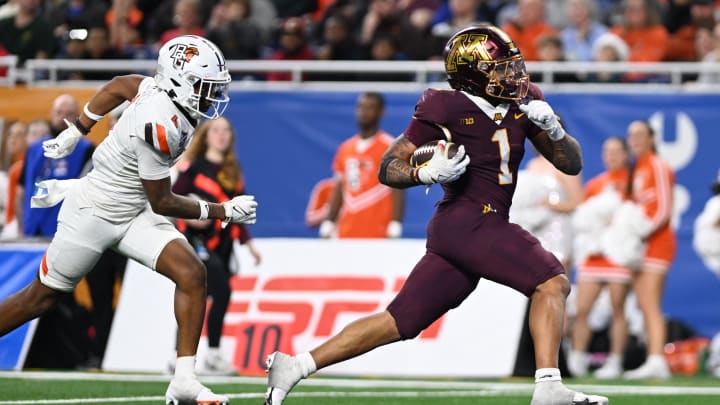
(424, 153)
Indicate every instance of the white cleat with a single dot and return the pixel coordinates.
(555, 393)
(283, 373)
(189, 391)
(650, 370)
(216, 365)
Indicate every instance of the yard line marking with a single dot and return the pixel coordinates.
(369, 384)
(308, 394)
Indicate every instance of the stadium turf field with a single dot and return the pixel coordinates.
(30, 388)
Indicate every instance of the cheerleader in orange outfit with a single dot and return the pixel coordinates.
(652, 185)
(596, 272)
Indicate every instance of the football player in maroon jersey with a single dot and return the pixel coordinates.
(491, 110)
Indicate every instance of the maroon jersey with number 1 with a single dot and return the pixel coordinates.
(469, 236)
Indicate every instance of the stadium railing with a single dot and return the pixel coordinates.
(9, 64)
(248, 74)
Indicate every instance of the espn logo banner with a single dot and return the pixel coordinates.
(305, 291)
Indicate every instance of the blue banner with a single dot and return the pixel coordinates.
(17, 269)
(287, 141)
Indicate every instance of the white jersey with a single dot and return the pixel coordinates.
(146, 142)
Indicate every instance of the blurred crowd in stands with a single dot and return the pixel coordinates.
(545, 30)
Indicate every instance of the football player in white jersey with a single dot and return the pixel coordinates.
(123, 202)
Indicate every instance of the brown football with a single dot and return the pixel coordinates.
(424, 153)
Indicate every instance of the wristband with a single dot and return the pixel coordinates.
(204, 209)
(415, 176)
(82, 128)
(91, 115)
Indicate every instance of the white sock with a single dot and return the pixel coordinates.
(614, 358)
(213, 352)
(307, 363)
(656, 359)
(547, 374)
(185, 366)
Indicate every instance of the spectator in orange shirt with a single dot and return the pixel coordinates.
(360, 206)
(292, 46)
(187, 20)
(528, 26)
(681, 43)
(642, 31)
(652, 188)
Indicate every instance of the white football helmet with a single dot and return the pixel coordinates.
(192, 71)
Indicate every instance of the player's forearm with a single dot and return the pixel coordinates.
(567, 155)
(397, 173)
(112, 94)
(178, 206)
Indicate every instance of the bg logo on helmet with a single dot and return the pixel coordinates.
(183, 53)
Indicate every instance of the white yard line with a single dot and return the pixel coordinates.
(442, 388)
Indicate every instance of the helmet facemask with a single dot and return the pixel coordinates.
(209, 98)
(506, 79)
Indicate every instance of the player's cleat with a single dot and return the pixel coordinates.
(189, 391)
(283, 373)
(215, 364)
(555, 393)
(655, 368)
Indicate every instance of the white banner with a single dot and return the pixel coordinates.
(307, 290)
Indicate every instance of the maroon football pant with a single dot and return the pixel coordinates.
(463, 247)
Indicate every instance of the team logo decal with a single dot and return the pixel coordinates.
(182, 54)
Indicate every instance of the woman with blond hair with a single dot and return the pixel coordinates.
(595, 271)
(211, 171)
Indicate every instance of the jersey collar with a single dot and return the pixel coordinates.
(490, 110)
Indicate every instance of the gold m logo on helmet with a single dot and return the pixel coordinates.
(466, 48)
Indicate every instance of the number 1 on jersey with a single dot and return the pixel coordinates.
(500, 136)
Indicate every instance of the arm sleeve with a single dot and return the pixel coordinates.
(151, 164)
(420, 132)
(661, 207)
(429, 118)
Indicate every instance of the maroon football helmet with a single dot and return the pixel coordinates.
(483, 61)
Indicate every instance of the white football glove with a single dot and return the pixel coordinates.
(441, 169)
(241, 210)
(542, 115)
(64, 143)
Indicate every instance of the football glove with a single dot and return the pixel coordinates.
(64, 143)
(241, 210)
(542, 115)
(441, 169)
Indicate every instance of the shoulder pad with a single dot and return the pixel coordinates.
(431, 106)
(166, 138)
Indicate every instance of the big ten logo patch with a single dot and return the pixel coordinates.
(273, 313)
(182, 54)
